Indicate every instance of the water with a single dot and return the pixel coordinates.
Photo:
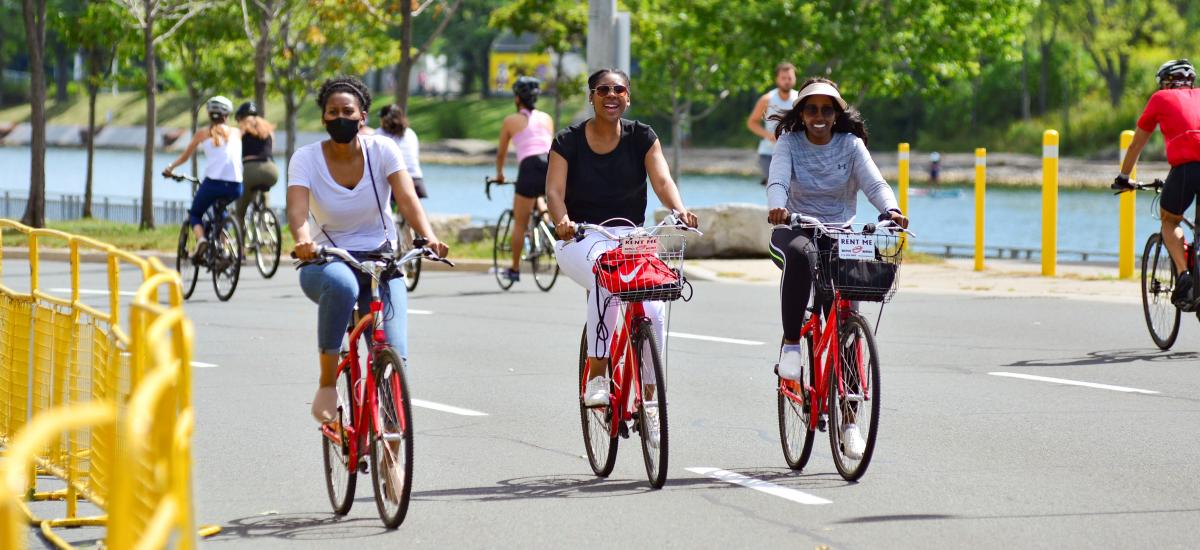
(1087, 219)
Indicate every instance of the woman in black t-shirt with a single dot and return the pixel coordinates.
(598, 170)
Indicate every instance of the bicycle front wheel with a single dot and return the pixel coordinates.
(541, 255)
(341, 476)
(227, 259)
(265, 238)
(598, 440)
(502, 249)
(1158, 280)
(391, 439)
(185, 263)
(652, 405)
(854, 403)
(795, 419)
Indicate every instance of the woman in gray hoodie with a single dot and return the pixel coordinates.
(819, 165)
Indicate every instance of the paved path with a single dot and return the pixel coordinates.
(966, 458)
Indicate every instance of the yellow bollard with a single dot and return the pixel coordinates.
(1126, 218)
(980, 186)
(1049, 203)
(902, 178)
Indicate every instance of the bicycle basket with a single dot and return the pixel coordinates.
(861, 267)
(643, 268)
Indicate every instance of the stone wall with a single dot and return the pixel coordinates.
(737, 230)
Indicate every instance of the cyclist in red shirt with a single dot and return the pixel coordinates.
(1175, 109)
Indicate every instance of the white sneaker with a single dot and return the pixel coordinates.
(595, 394)
(791, 366)
(651, 426)
(853, 445)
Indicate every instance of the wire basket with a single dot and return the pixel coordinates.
(861, 267)
(643, 268)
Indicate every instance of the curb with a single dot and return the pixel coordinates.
(85, 256)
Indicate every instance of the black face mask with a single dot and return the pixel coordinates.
(342, 130)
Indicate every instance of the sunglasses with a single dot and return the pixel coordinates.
(827, 111)
(615, 89)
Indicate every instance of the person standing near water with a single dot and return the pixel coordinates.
(770, 104)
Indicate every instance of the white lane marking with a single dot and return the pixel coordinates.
(92, 291)
(720, 339)
(760, 485)
(445, 408)
(1072, 382)
(419, 312)
(203, 365)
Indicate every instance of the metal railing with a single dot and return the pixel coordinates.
(114, 209)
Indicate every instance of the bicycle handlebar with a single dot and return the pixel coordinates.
(325, 253)
(181, 177)
(671, 221)
(488, 182)
(1155, 185)
(802, 221)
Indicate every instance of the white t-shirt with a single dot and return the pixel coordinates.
(351, 219)
(410, 148)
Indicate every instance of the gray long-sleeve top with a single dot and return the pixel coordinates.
(823, 181)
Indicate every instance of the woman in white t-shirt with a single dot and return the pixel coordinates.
(338, 192)
(393, 123)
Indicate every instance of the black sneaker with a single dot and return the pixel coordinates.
(1182, 295)
(512, 275)
(201, 249)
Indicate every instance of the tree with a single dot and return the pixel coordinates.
(262, 35)
(560, 25)
(157, 20)
(12, 28)
(383, 12)
(472, 40)
(96, 29)
(1110, 30)
(34, 14)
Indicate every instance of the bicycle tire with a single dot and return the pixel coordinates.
(185, 264)
(227, 259)
(541, 255)
(335, 456)
(1157, 284)
(655, 457)
(596, 423)
(395, 415)
(854, 337)
(796, 433)
(412, 269)
(266, 240)
(502, 248)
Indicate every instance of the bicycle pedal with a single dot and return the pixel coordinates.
(623, 430)
(823, 422)
(362, 467)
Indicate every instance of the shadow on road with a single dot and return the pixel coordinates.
(298, 526)
(1111, 357)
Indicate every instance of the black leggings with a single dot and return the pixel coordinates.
(795, 252)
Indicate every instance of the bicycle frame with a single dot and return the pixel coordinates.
(826, 354)
(626, 370)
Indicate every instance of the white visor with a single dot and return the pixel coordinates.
(822, 88)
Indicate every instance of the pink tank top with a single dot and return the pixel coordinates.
(533, 140)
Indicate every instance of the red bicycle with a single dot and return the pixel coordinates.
(840, 388)
(373, 415)
(637, 369)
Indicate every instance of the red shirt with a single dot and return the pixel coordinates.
(1177, 113)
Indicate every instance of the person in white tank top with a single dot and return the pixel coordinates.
(772, 103)
(222, 167)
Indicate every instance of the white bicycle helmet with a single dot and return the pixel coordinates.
(219, 105)
(1175, 69)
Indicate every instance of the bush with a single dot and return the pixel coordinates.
(450, 123)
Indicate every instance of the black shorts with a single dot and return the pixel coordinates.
(531, 176)
(1183, 183)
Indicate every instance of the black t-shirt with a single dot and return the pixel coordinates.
(256, 147)
(613, 185)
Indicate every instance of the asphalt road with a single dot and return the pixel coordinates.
(965, 458)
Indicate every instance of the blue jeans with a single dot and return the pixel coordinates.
(211, 191)
(335, 286)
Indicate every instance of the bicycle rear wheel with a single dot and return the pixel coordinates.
(541, 255)
(601, 445)
(502, 249)
(227, 259)
(265, 238)
(795, 421)
(392, 447)
(1158, 280)
(652, 405)
(185, 264)
(341, 477)
(856, 402)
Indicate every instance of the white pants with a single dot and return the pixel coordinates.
(576, 260)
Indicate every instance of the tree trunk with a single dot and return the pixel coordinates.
(558, 88)
(34, 12)
(404, 69)
(92, 91)
(290, 108)
(1025, 114)
(147, 214)
(678, 114)
(194, 97)
(262, 56)
(1044, 77)
(62, 72)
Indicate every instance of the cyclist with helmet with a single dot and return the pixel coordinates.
(1175, 109)
(530, 131)
(393, 123)
(222, 167)
(258, 165)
